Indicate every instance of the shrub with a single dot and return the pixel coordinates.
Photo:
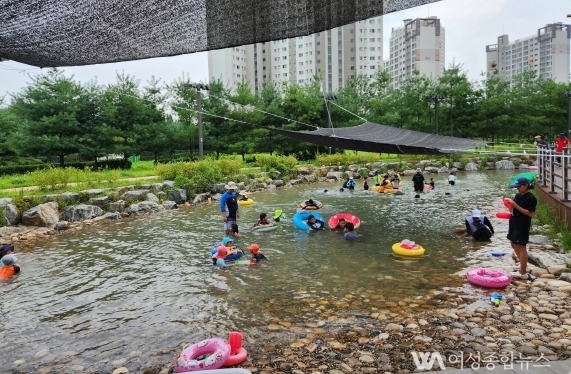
(229, 167)
(166, 171)
(283, 164)
(24, 203)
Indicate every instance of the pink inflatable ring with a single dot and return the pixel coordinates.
(491, 278)
(219, 351)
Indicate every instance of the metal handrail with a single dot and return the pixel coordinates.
(553, 168)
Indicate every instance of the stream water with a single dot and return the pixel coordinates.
(131, 292)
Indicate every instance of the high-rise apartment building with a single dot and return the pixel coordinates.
(334, 55)
(418, 45)
(546, 53)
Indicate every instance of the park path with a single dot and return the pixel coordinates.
(29, 188)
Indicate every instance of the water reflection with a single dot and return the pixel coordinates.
(98, 296)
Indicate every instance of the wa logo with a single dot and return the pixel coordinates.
(425, 360)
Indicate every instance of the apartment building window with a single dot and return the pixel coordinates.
(371, 39)
(352, 68)
(352, 40)
(318, 34)
(319, 61)
(300, 55)
(301, 72)
(237, 67)
(372, 30)
(284, 66)
(264, 74)
(300, 46)
(372, 58)
(301, 64)
(372, 49)
(263, 51)
(352, 58)
(284, 49)
(352, 49)
(360, 31)
(372, 67)
(238, 75)
(360, 49)
(351, 31)
(318, 52)
(285, 74)
(264, 68)
(264, 59)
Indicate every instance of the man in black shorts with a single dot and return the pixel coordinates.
(523, 208)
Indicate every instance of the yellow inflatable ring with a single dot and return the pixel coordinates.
(246, 202)
(416, 251)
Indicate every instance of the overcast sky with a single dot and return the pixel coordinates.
(470, 26)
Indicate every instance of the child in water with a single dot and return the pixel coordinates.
(310, 202)
(350, 232)
(452, 179)
(221, 253)
(314, 223)
(258, 257)
(9, 266)
(263, 220)
(432, 182)
(365, 185)
(234, 229)
(6, 249)
(340, 224)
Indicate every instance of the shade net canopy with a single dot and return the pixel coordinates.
(372, 137)
(51, 33)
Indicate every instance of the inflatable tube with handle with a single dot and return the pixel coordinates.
(219, 351)
(237, 352)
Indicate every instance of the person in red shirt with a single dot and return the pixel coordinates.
(562, 143)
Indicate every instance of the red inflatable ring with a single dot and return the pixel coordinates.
(237, 352)
(349, 217)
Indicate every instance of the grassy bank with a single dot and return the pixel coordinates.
(557, 231)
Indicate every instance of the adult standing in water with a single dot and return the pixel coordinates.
(229, 207)
(523, 208)
(418, 180)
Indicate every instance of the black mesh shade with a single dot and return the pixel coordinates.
(372, 137)
(50, 33)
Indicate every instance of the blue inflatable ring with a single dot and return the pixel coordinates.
(300, 218)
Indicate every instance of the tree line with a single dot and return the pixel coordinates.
(55, 117)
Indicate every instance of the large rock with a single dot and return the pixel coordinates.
(308, 178)
(337, 175)
(62, 225)
(156, 187)
(43, 215)
(169, 205)
(431, 169)
(547, 259)
(145, 186)
(443, 169)
(178, 196)
(505, 165)
(144, 207)
(303, 170)
(168, 184)
(152, 197)
(123, 189)
(200, 198)
(471, 166)
(81, 212)
(218, 188)
(539, 239)
(117, 206)
(11, 214)
(134, 195)
(278, 183)
(99, 201)
(5, 201)
(93, 192)
(353, 168)
(408, 172)
(108, 216)
(294, 182)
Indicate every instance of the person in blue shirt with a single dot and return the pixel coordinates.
(349, 183)
(229, 207)
(350, 232)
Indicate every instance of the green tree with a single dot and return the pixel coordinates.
(8, 130)
(183, 103)
(215, 110)
(52, 108)
(243, 103)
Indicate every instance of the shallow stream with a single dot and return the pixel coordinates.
(130, 292)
